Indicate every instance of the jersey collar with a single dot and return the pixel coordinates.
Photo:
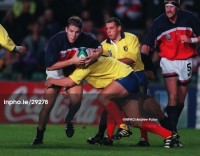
(110, 41)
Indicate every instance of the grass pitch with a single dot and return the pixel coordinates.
(15, 140)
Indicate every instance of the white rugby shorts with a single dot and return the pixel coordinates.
(56, 74)
(180, 68)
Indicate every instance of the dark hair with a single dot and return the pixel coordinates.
(75, 21)
(115, 20)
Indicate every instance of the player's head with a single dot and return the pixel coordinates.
(73, 28)
(171, 8)
(113, 28)
(172, 2)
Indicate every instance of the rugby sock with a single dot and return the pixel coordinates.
(73, 108)
(164, 122)
(144, 134)
(103, 123)
(114, 111)
(155, 128)
(110, 126)
(40, 134)
(180, 107)
(172, 116)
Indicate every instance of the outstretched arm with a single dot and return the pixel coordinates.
(7, 42)
(64, 82)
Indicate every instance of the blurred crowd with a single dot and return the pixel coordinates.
(33, 22)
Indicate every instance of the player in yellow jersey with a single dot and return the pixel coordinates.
(7, 43)
(125, 47)
(119, 81)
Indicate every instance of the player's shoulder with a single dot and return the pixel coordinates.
(160, 19)
(186, 13)
(86, 35)
(58, 36)
(104, 42)
(129, 35)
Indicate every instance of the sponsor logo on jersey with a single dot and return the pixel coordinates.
(168, 37)
(125, 48)
(110, 53)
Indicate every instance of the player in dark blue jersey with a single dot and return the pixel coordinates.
(175, 33)
(60, 61)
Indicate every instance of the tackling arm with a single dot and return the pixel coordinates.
(64, 82)
(127, 61)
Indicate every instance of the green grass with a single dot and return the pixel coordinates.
(15, 141)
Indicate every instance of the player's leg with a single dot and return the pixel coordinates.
(102, 128)
(50, 94)
(171, 87)
(75, 96)
(182, 91)
(153, 108)
(133, 111)
(144, 141)
(170, 75)
(113, 91)
(185, 74)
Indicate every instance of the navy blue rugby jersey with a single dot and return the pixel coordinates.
(167, 36)
(59, 48)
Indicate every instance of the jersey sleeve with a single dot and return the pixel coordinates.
(5, 40)
(133, 49)
(105, 48)
(51, 54)
(80, 74)
(196, 26)
(93, 43)
(151, 36)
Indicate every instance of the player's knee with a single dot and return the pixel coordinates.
(102, 98)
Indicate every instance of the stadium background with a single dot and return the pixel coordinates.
(33, 22)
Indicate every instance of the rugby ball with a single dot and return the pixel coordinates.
(83, 52)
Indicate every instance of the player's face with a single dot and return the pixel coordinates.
(112, 30)
(73, 33)
(171, 11)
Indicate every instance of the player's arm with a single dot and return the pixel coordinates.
(73, 61)
(148, 64)
(187, 39)
(127, 61)
(74, 79)
(64, 82)
(132, 54)
(7, 42)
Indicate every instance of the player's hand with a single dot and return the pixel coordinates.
(93, 56)
(21, 49)
(48, 83)
(64, 92)
(185, 39)
(77, 61)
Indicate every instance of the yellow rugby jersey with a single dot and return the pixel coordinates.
(127, 47)
(5, 40)
(102, 72)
